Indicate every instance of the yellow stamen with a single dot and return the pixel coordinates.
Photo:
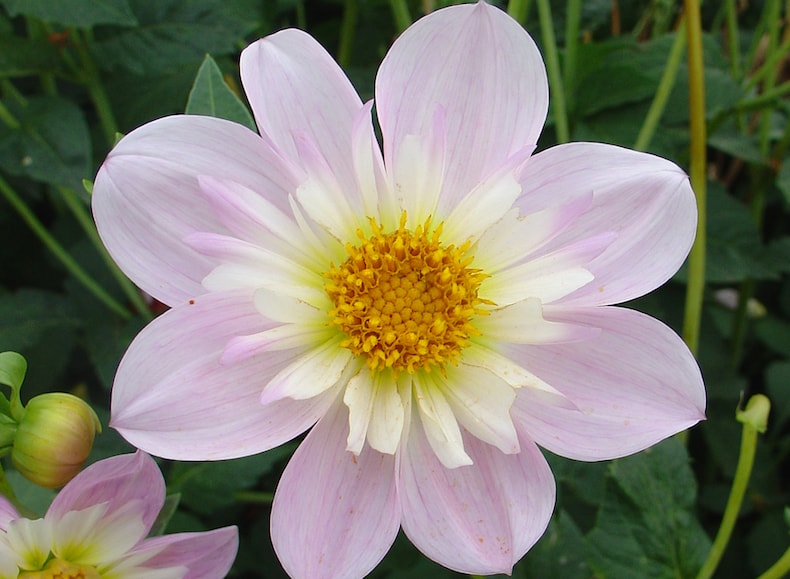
(404, 300)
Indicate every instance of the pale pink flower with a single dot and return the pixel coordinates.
(97, 525)
(434, 311)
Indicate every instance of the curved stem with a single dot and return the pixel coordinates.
(778, 569)
(59, 252)
(696, 278)
(92, 81)
(553, 69)
(664, 90)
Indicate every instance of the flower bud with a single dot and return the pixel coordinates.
(54, 438)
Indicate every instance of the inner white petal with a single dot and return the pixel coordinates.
(309, 375)
(481, 403)
(523, 323)
(439, 422)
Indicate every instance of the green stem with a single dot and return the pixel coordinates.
(80, 212)
(696, 276)
(400, 11)
(664, 90)
(256, 497)
(347, 28)
(59, 252)
(6, 117)
(778, 569)
(574, 17)
(742, 473)
(733, 39)
(92, 81)
(553, 69)
(769, 66)
(518, 10)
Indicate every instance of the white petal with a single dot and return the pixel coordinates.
(368, 163)
(284, 337)
(288, 308)
(309, 375)
(523, 323)
(481, 403)
(439, 423)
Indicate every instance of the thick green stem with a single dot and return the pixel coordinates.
(696, 262)
(347, 29)
(664, 90)
(555, 75)
(400, 11)
(518, 10)
(59, 252)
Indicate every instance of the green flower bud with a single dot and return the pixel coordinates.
(54, 438)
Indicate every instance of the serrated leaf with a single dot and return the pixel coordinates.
(78, 13)
(647, 527)
(52, 143)
(211, 96)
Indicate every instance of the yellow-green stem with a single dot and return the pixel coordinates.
(573, 21)
(555, 75)
(518, 10)
(778, 569)
(92, 81)
(59, 252)
(665, 86)
(696, 262)
(737, 492)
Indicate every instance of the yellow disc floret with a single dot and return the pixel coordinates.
(59, 569)
(404, 300)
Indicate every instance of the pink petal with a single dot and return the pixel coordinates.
(480, 518)
(334, 514)
(206, 555)
(646, 200)
(117, 480)
(634, 385)
(174, 398)
(147, 198)
(484, 70)
(7, 513)
(294, 87)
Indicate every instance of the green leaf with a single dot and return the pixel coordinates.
(211, 96)
(559, 553)
(78, 13)
(647, 527)
(172, 34)
(777, 384)
(26, 56)
(206, 487)
(12, 369)
(783, 180)
(52, 143)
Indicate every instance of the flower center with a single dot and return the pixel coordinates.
(60, 569)
(404, 300)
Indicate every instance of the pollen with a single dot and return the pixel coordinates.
(60, 569)
(404, 300)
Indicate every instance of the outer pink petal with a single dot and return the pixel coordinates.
(484, 70)
(645, 199)
(480, 518)
(174, 398)
(117, 480)
(7, 513)
(146, 197)
(295, 88)
(334, 514)
(635, 385)
(207, 555)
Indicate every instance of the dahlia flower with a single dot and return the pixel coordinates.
(434, 308)
(96, 527)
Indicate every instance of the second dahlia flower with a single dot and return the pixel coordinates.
(434, 308)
